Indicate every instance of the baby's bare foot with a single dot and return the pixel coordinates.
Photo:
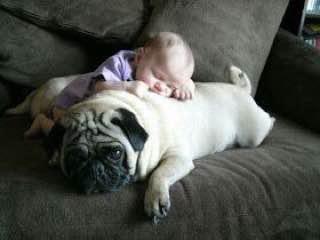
(35, 128)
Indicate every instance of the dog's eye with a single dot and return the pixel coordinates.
(112, 152)
(115, 153)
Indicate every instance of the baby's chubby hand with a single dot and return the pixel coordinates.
(184, 92)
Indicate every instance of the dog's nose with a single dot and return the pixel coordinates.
(89, 178)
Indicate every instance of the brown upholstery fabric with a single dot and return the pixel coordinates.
(291, 80)
(108, 20)
(30, 55)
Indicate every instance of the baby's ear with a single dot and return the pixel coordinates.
(140, 50)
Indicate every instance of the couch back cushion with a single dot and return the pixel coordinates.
(30, 55)
(221, 32)
(108, 20)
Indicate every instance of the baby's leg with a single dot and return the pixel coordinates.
(41, 124)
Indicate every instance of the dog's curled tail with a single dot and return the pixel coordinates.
(239, 78)
(23, 107)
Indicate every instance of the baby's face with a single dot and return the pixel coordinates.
(161, 70)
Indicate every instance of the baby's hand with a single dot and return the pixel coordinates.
(162, 89)
(138, 88)
(185, 92)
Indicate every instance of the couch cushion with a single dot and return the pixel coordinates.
(221, 32)
(290, 81)
(30, 55)
(269, 192)
(108, 20)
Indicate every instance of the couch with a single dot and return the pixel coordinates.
(270, 192)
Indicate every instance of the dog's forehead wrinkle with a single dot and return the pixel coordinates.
(92, 112)
(108, 142)
(92, 126)
(90, 137)
(105, 117)
(117, 115)
(84, 146)
(103, 128)
(101, 116)
(105, 139)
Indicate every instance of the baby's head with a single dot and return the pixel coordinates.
(165, 63)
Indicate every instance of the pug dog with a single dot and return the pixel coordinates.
(114, 137)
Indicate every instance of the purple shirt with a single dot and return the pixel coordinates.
(116, 68)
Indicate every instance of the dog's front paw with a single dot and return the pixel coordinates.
(157, 202)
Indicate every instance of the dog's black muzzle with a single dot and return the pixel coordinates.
(98, 177)
(104, 171)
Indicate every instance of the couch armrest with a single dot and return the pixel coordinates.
(290, 83)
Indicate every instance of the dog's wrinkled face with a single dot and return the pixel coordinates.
(98, 150)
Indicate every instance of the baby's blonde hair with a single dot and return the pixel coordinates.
(167, 40)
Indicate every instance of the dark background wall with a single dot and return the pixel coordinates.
(293, 17)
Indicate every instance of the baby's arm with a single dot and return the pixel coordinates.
(136, 87)
(110, 85)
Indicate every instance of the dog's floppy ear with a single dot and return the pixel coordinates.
(128, 123)
(53, 141)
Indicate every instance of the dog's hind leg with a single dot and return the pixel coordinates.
(252, 135)
(23, 107)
